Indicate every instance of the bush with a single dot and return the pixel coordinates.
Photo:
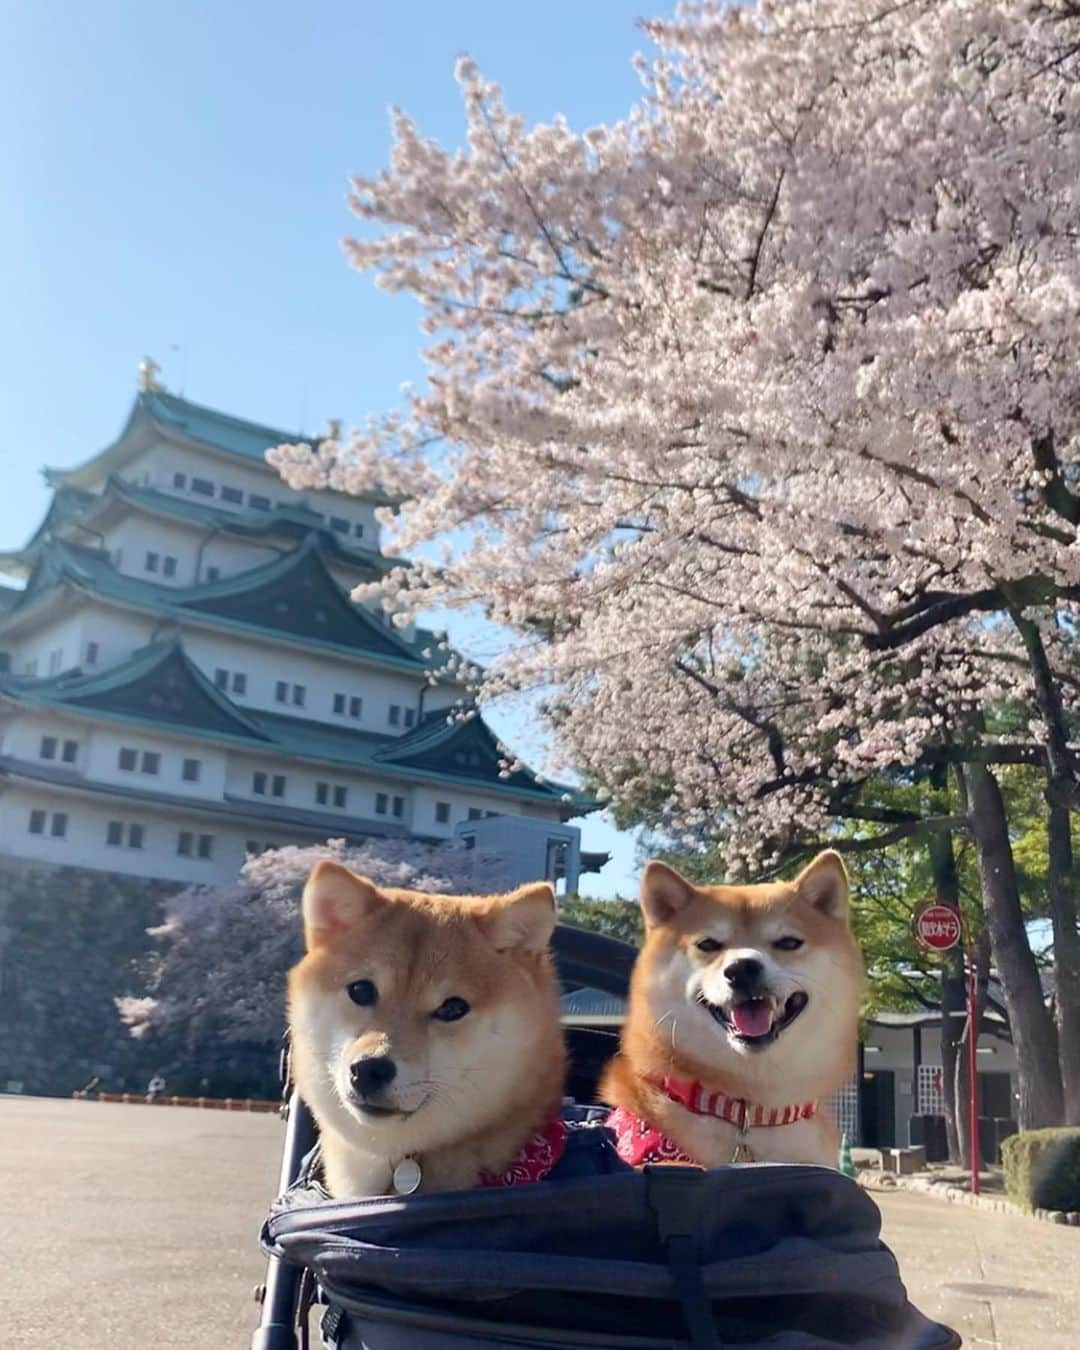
(1042, 1168)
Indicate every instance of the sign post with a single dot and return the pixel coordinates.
(938, 928)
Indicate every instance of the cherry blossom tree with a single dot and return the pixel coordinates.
(757, 416)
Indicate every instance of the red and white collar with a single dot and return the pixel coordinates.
(537, 1157)
(735, 1110)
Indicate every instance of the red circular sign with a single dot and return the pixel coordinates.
(937, 927)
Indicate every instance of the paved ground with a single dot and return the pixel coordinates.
(131, 1228)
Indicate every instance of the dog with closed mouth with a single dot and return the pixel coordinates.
(743, 1014)
(425, 1033)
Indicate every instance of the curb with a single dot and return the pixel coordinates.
(207, 1103)
(995, 1204)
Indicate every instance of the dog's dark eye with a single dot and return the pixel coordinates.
(788, 944)
(362, 992)
(451, 1009)
(709, 945)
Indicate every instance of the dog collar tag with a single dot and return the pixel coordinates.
(407, 1177)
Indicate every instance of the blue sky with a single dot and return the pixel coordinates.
(175, 186)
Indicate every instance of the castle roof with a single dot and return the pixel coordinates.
(95, 510)
(294, 597)
(157, 414)
(160, 688)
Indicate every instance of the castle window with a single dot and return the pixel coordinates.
(381, 802)
(239, 682)
(179, 481)
(212, 573)
(340, 797)
(339, 524)
(151, 761)
(206, 845)
(442, 813)
(399, 807)
(395, 715)
(48, 747)
(339, 704)
(299, 694)
(233, 495)
(281, 692)
(185, 842)
(59, 826)
(114, 833)
(191, 770)
(202, 486)
(135, 836)
(92, 653)
(70, 752)
(258, 784)
(277, 785)
(152, 561)
(356, 706)
(358, 530)
(168, 567)
(258, 502)
(221, 678)
(127, 760)
(37, 822)
(322, 793)
(410, 717)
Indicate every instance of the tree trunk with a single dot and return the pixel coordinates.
(1066, 958)
(947, 892)
(1033, 1031)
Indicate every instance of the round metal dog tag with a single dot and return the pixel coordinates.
(407, 1177)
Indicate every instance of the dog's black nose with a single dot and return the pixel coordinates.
(744, 973)
(369, 1076)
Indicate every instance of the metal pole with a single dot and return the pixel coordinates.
(973, 1078)
(277, 1319)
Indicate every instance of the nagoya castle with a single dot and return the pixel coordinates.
(184, 680)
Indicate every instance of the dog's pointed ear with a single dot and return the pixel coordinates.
(522, 921)
(334, 898)
(823, 883)
(663, 893)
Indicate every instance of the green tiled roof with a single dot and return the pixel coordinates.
(217, 431)
(295, 595)
(158, 684)
(160, 688)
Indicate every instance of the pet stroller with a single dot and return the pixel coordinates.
(668, 1258)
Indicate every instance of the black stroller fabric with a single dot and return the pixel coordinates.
(754, 1255)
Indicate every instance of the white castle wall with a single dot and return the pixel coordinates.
(158, 467)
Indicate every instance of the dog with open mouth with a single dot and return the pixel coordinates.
(743, 1015)
(426, 1037)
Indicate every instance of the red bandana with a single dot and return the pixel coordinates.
(637, 1142)
(537, 1157)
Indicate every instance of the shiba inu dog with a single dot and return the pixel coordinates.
(425, 1031)
(743, 1014)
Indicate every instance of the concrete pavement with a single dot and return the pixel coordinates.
(133, 1227)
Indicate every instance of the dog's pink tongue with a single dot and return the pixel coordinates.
(752, 1018)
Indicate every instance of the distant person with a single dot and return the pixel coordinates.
(155, 1089)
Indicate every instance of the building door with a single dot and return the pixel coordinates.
(877, 1105)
